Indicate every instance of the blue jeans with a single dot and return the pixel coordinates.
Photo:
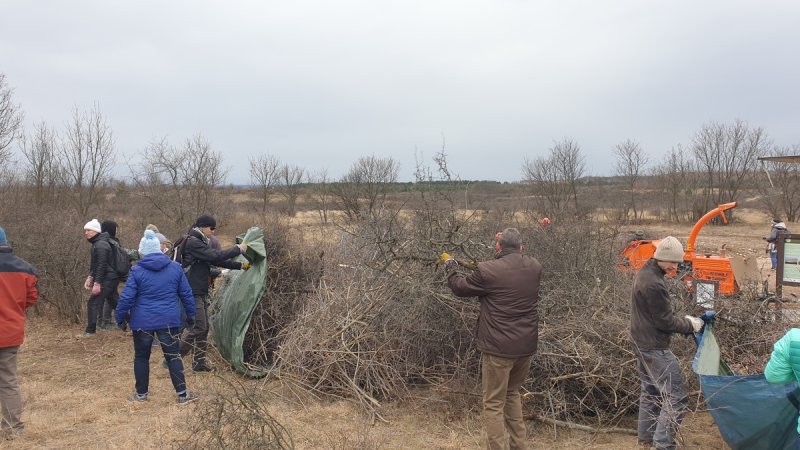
(773, 256)
(170, 345)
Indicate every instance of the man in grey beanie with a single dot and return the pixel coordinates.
(663, 400)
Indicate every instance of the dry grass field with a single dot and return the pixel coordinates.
(75, 391)
(75, 397)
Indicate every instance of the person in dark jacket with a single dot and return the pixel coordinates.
(663, 400)
(507, 332)
(778, 228)
(19, 291)
(198, 258)
(149, 305)
(110, 303)
(103, 279)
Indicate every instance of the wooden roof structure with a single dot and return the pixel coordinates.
(784, 159)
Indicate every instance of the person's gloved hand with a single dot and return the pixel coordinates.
(697, 324)
(96, 288)
(189, 323)
(443, 258)
(245, 265)
(123, 326)
(242, 247)
(88, 283)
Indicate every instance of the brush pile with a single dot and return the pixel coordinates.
(368, 316)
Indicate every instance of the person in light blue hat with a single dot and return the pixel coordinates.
(148, 305)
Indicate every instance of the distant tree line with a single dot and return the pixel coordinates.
(74, 165)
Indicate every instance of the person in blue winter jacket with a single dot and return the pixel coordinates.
(149, 306)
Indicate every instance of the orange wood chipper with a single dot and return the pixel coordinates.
(720, 268)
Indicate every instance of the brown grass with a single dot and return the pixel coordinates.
(75, 397)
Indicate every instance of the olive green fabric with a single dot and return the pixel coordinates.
(236, 299)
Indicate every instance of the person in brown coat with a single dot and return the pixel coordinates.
(663, 400)
(507, 332)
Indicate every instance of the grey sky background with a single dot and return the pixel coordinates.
(320, 83)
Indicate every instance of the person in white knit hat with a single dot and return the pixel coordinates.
(103, 279)
(663, 400)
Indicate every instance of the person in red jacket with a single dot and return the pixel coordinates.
(18, 292)
(507, 333)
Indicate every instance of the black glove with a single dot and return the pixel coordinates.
(189, 323)
(123, 326)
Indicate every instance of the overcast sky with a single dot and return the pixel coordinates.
(320, 83)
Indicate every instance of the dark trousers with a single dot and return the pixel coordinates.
(107, 320)
(196, 341)
(95, 307)
(663, 401)
(170, 345)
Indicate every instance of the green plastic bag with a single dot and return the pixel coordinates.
(235, 301)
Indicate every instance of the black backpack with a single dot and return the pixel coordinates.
(178, 248)
(120, 260)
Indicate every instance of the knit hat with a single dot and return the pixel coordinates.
(776, 220)
(150, 226)
(93, 225)
(149, 243)
(669, 250)
(161, 238)
(110, 227)
(3, 238)
(205, 220)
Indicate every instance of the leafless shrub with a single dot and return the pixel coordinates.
(235, 417)
(11, 116)
(87, 158)
(555, 178)
(180, 182)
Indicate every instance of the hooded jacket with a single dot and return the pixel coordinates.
(100, 266)
(508, 290)
(199, 256)
(150, 298)
(18, 292)
(784, 362)
(777, 229)
(652, 319)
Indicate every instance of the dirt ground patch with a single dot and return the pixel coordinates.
(75, 392)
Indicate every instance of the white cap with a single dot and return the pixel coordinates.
(93, 225)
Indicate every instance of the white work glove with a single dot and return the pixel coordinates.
(88, 283)
(697, 323)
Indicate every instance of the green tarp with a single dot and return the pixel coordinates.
(236, 299)
(750, 413)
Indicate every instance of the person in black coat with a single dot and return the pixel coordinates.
(103, 279)
(198, 258)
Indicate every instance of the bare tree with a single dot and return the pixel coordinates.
(780, 193)
(630, 167)
(264, 174)
(362, 190)
(556, 177)
(675, 178)
(10, 120)
(289, 178)
(88, 157)
(321, 192)
(180, 182)
(727, 155)
(40, 167)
